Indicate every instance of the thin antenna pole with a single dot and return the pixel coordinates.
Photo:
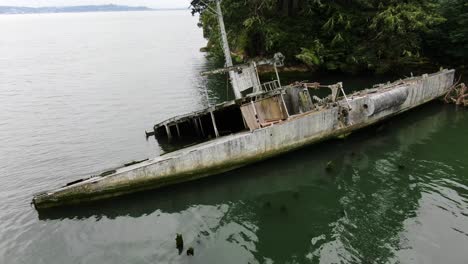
(209, 7)
(277, 74)
(226, 50)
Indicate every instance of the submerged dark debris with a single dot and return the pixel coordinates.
(190, 251)
(179, 243)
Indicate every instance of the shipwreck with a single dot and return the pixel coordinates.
(265, 120)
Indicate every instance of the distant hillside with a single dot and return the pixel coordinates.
(70, 9)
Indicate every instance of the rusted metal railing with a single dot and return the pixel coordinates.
(270, 86)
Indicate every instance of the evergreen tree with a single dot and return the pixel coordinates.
(341, 35)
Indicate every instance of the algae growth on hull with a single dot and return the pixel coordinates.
(226, 153)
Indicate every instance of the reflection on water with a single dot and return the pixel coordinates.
(398, 192)
(291, 209)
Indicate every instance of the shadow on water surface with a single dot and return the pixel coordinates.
(354, 211)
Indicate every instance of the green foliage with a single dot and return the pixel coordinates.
(342, 35)
(312, 56)
(449, 43)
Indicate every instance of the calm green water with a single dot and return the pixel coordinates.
(76, 98)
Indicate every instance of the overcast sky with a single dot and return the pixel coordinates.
(148, 3)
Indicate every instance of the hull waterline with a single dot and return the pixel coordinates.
(229, 152)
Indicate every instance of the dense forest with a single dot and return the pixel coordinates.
(354, 36)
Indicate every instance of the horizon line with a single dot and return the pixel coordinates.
(110, 4)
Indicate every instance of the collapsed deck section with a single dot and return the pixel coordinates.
(202, 125)
(248, 114)
(255, 111)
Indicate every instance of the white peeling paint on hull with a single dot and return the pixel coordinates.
(233, 151)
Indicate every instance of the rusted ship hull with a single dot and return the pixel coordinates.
(228, 152)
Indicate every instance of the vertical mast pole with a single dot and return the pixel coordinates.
(226, 50)
(277, 75)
